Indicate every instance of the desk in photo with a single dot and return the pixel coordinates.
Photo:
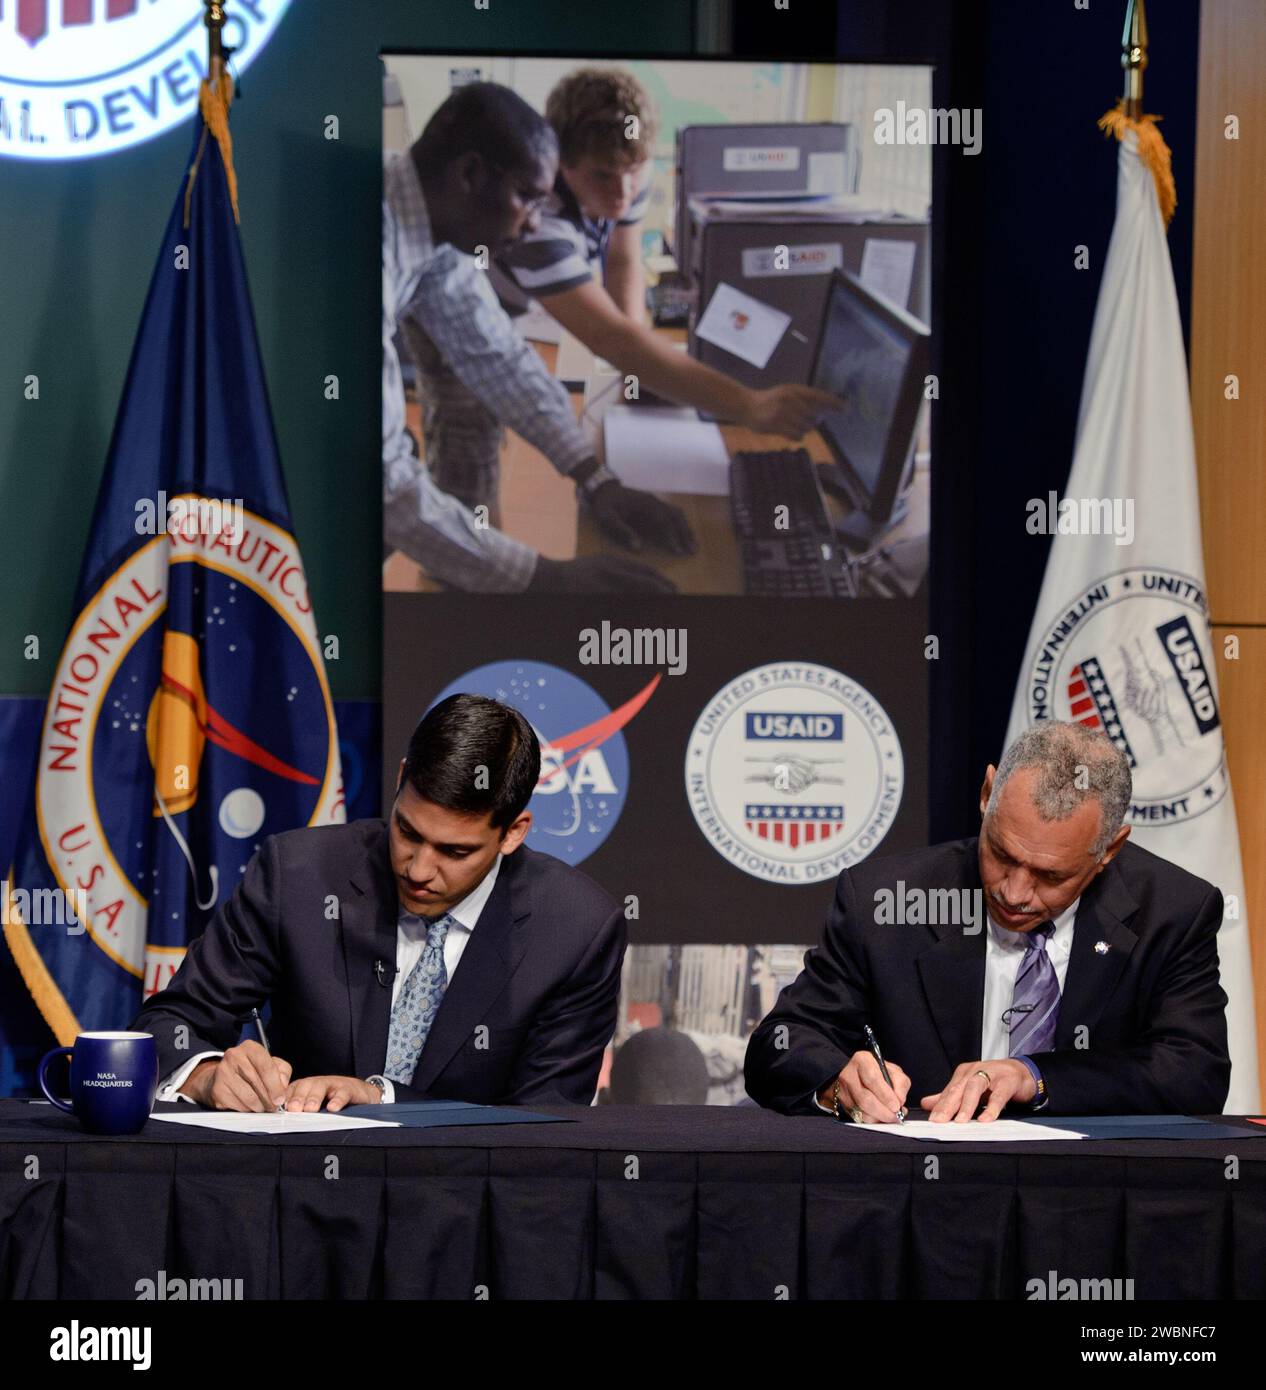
(539, 507)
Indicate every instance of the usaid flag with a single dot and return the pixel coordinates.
(189, 715)
(1121, 641)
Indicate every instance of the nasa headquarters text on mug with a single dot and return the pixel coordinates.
(113, 1080)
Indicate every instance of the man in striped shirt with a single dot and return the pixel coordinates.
(583, 259)
(471, 185)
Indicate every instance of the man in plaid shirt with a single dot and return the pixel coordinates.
(477, 178)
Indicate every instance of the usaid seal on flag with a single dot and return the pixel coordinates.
(87, 77)
(794, 772)
(1130, 658)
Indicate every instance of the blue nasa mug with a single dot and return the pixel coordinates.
(113, 1080)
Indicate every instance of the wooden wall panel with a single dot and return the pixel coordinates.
(1241, 686)
(1228, 337)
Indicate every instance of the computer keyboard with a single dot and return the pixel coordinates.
(783, 528)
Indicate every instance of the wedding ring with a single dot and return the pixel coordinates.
(986, 1075)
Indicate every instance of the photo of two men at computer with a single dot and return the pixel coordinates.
(654, 327)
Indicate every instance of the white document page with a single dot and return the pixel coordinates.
(997, 1132)
(279, 1122)
(888, 268)
(666, 449)
(742, 325)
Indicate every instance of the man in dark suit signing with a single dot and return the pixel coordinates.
(355, 933)
(1046, 965)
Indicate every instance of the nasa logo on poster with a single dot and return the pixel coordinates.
(88, 77)
(794, 772)
(584, 780)
(1131, 657)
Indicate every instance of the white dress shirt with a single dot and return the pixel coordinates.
(1004, 950)
(411, 933)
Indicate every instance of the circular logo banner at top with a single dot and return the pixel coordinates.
(794, 772)
(88, 77)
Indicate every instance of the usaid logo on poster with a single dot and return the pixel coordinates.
(1131, 657)
(87, 77)
(794, 772)
(584, 779)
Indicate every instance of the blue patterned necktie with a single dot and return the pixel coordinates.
(1035, 1001)
(419, 1002)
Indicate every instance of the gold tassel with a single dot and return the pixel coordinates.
(1153, 151)
(48, 998)
(215, 105)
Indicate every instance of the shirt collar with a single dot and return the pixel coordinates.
(467, 912)
(1017, 940)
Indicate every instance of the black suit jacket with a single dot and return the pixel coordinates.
(1151, 1005)
(524, 1019)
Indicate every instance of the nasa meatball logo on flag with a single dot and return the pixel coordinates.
(584, 779)
(87, 77)
(1131, 657)
(794, 772)
(164, 658)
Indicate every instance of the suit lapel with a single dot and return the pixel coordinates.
(1105, 908)
(369, 915)
(952, 973)
(491, 956)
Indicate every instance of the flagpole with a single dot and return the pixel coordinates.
(214, 20)
(1133, 57)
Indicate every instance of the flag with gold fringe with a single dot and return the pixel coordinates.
(189, 715)
(1121, 640)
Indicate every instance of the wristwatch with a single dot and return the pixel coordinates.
(381, 1083)
(590, 476)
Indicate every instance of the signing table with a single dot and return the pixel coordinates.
(636, 1202)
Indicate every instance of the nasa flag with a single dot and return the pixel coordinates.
(1121, 641)
(189, 715)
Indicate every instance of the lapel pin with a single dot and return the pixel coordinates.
(1102, 948)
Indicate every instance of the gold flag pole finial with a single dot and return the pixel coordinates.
(1127, 116)
(1134, 57)
(214, 20)
(214, 100)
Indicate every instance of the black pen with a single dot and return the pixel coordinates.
(879, 1057)
(263, 1037)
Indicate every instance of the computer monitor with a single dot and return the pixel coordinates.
(875, 357)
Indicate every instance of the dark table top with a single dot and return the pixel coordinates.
(659, 1128)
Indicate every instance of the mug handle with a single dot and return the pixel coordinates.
(43, 1071)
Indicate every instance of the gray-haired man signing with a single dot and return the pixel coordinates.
(1044, 965)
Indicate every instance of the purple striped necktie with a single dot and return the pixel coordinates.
(1035, 1001)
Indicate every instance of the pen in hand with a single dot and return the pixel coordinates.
(263, 1037)
(873, 1042)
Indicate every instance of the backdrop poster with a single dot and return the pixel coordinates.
(714, 755)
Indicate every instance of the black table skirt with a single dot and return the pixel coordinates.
(626, 1202)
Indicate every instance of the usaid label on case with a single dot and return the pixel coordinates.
(753, 158)
(761, 262)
